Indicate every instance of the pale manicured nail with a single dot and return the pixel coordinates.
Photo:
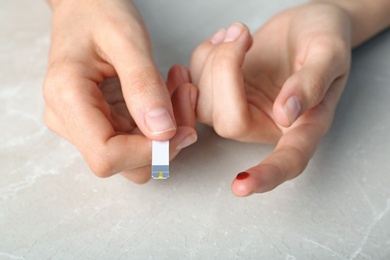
(218, 37)
(187, 141)
(292, 107)
(159, 121)
(233, 32)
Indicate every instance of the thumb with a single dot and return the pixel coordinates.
(306, 87)
(146, 95)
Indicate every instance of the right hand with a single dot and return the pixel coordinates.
(111, 123)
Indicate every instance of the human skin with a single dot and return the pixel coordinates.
(111, 121)
(283, 84)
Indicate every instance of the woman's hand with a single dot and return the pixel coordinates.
(281, 86)
(104, 93)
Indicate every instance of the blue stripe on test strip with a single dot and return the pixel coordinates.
(160, 171)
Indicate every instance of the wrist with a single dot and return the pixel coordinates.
(367, 17)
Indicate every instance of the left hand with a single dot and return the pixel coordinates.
(281, 86)
(183, 98)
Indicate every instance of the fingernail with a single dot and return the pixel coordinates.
(193, 97)
(184, 75)
(233, 32)
(242, 176)
(187, 141)
(159, 121)
(292, 107)
(218, 37)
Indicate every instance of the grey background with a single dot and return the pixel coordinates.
(53, 207)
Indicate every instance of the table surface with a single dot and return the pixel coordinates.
(53, 207)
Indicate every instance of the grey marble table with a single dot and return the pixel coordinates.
(53, 207)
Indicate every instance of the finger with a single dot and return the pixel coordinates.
(139, 176)
(144, 90)
(184, 137)
(229, 114)
(294, 149)
(120, 117)
(200, 54)
(84, 113)
(177, 76)
(286, 162)
(324, 62)
(183, 100)
(184, 104)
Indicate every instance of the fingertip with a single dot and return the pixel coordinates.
(184, 103)
(177, 75)
(302, 91)
(288, 104)
(201, 52)
(185, 137)
(236, 31)
(184, 73)
(193, 97)
(160, 124)
(187, 141)
(242, 187)
(233, 33)
(281, 117)
(259, 179)
(292, 108)
(218, 36)
(288, 112)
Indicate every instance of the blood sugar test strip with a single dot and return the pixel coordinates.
(160, 160)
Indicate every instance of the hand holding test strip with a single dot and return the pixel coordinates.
(280, 85)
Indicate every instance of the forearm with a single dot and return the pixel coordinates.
(368, 17)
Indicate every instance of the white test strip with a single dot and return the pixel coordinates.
(160, 160)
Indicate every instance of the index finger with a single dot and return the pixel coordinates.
(286, 162)
(293, 151)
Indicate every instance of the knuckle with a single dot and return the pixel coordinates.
(58, 86)
(69, 96)
(316, 88)
(100, 165)
(199, 58)
(144, 81)
(339, 51)
(202, 51)
(236, 128)
(335, 48)
(223, 60)
(122, 39)
(204, 118)
(299, 161)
